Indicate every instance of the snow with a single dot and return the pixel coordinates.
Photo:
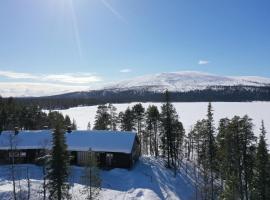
(185, 81)
(105, 141)
(148, 180)
(173, 81)
(188, 113)
(108, 141)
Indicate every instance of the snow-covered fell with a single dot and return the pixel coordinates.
(186, 81)
(173, 81)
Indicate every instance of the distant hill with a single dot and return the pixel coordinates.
(183, 86)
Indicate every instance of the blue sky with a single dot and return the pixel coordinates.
(97, 41)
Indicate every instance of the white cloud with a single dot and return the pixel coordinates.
(72, 78)
(125, 70)
(19, 89)
(75, 78)
(203, 62)
(16, 75)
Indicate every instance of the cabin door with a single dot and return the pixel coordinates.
(109, 158)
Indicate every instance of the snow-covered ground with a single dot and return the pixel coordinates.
(189, 113)
(148, 180)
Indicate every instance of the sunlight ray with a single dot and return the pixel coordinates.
(76, 30)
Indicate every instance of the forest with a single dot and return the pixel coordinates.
(29, 117)
(96, 97)
(226, 162)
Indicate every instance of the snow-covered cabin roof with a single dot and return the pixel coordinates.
(99, 141)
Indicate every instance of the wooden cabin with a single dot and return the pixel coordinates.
(113, 149)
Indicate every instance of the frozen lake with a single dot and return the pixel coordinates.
(188, 113)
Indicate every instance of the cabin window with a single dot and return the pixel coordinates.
(17, 154)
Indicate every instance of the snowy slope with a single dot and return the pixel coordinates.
(189, 113)
(185, 81)
(173, 81)
(148, 180)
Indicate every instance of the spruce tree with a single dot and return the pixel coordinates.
(211, 148)
(152, 123)
(74, 125)
(102, 118)
(171, 134)
(261, 169)
(127, 122)
(236, 149)
(67, 121)
(58, 166)
(113, 117)
(138, 113)
(248, 150)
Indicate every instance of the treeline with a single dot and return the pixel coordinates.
(55, 102)
(159, 133)
(29, 117)
(217, 93)
(225, 162)
(230, 164)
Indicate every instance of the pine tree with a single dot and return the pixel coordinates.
(113, 117)
(138, 113)
(211, 148)
(67, 121)
(204, 141)
(224, 150)
(102, 118)
(261, 168)
(127, 122)
(236, 148)
(91, 178)
(58, 166)
(152, 123)
(74, 125)
(171, 134)
(248, 149)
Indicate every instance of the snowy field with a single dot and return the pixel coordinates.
(148, 180)
(189, 113)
